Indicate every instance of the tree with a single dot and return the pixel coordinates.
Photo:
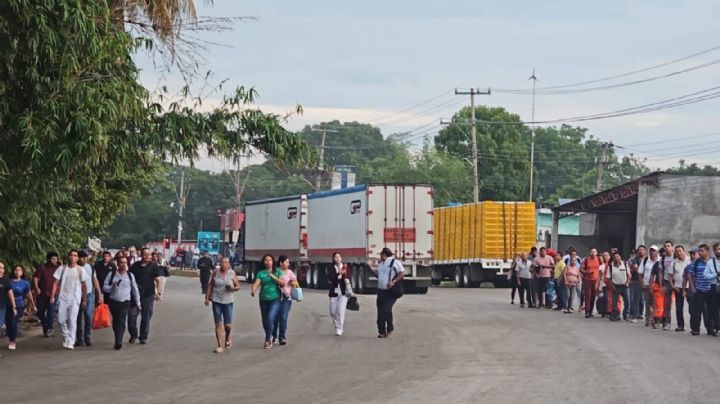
(694, 169)
(503, 158)
(81, 135)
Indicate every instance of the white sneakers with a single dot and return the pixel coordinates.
(67, 346)
(338, 332)
(11, 346)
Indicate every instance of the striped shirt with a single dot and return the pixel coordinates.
(705, 273)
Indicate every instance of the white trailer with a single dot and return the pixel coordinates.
(274, 226)
(360, 221)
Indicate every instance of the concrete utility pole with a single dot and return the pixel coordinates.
(473, 137)
(321, 163)
(181, 199)
(600, 183)
(532, 137)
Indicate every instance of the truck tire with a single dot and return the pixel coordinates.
(250, 274)
(315, 272)
(422, 291)
(466, 277)
(354, 272)
(321, 281)
(308, 277)
(436, 277)
(458, 277)
(361, 281)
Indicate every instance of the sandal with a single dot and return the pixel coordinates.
(218, 350)
(267, 345)
(228, 344)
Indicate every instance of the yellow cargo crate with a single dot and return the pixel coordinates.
(485, 230)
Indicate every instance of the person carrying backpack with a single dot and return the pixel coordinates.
(702, 276)
(122, 288)
(618, 277)
(590, 270)
(389, 272)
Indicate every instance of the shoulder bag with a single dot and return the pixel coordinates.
(397, 290)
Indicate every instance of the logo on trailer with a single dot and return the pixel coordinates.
(399, 235)
(355, 206)
(292, 213)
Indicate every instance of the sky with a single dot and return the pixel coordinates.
(371, 61)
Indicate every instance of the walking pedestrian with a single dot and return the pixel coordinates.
(22, 294)
(590, 270)
(523, 267)
(86, 315)
(662, 273)
(571, 277)
(389, 273)
(603, 285)
(559, 275)
(205, 266)
(513, 279)
(290, 281)
(268, 282)
(618, 276)
(7, 298)
(147, 275)
(132, 255)
(544, 264)
(221, 291)
(645, 270)
(104, 267)
(71, 291)
(122, 290)
(576, 289)
(677, 287)
(338, 278)
(636, 284)
(44, 281)
(702, 275)
(716, 297)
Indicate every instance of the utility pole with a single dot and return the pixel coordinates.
(321, 163)
(181, 199)
(239, 183)
(532, 136)
(600, 183)
(473, 137)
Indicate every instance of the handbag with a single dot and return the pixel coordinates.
(101, 319)
(353, 304)
(397, 290)
(296, 294)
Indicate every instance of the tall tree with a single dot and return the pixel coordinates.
(81, 135)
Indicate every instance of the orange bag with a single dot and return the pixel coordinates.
(101, 319)
(658, 300)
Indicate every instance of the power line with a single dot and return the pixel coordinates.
(617, 76)
(445, 92)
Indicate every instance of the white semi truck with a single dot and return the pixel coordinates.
(357, 222)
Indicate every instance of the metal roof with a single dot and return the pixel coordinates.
(620, 199)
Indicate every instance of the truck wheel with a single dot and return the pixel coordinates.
(436, 277)
(466, 277)
(361, 281)
(321, 281)
(355, 270)
(250, 274)
(458, 277)
(422, 291)
(308, 277)
(315, 272)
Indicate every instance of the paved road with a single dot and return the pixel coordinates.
(451, 346)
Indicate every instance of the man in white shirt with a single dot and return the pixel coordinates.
(677, 272)
(645, 271)
(85, 316)
(70, 281)
(389, 272)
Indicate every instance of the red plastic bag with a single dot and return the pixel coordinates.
(102, 317)
(658, 300)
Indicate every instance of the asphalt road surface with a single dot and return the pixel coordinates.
(450, 346)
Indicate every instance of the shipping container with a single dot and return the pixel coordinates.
(476, 242)
(360, 221)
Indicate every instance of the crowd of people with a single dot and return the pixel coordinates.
(67, 292)
(638, 288)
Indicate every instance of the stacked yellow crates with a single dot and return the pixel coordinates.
(488, 230)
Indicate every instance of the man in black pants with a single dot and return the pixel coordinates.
(389, 272)
(205, 265)
(147, 276)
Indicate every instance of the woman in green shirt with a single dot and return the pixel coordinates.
(268, 281)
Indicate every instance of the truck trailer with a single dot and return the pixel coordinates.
(476, 242)
(357, 222)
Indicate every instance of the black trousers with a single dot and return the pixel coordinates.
(145, 314)
(525, 290)
(119, 312)
(204, 279)
(514, 286)
(45, 312)
(385, 303)
(703, 304)
(679, 307)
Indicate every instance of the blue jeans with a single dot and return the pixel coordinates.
(222, 312)
(11, 321)
(2, 316)
(281, 320)
(46, 312)
(269, 310)
(85, 320)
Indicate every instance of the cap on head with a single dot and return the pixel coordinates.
(693, 250)
(82, 254)
(654, 247)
